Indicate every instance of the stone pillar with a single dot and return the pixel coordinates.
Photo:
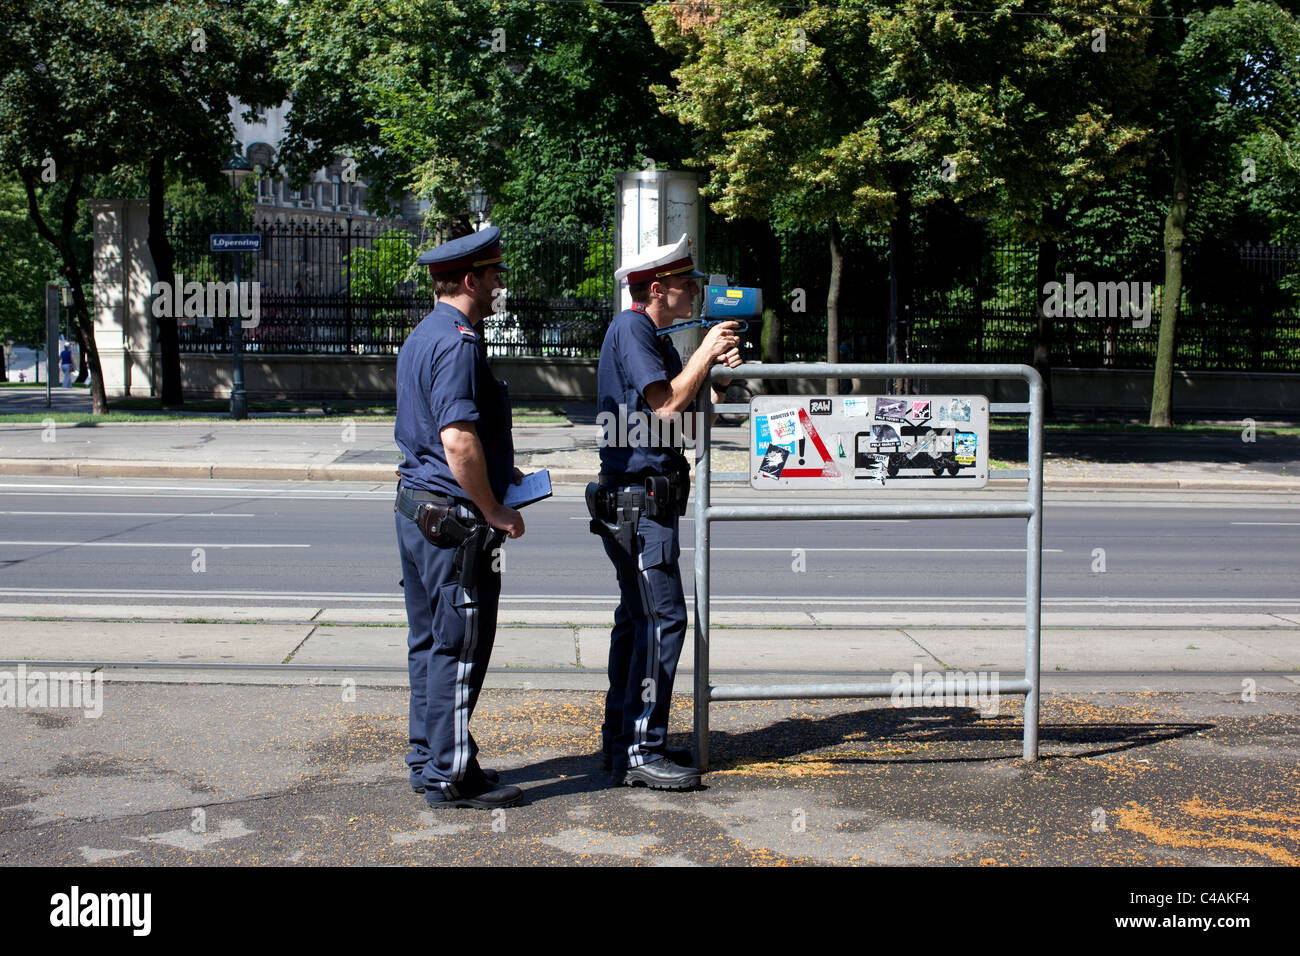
(122, 298)
(655, 206)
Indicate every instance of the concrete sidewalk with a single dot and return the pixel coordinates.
(275, 736)
(183, 774)
(569, 647)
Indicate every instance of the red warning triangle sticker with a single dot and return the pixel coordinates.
(828, 469)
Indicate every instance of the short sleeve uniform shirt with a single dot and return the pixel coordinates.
(442, 378)
(632, 358)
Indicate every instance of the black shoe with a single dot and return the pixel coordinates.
(682, 756)
(487, 799)
(491, 776)
(659, 774)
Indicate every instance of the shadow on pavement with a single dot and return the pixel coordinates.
(1131, 448)
(892, 736)
(891, 731)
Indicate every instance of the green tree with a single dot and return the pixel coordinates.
(1227, 82)
(376, 271)
(195, 56)
(854, 116)
(29, 264)
(531, 102)
(780, 103)
(94, 92)
(1033, 106)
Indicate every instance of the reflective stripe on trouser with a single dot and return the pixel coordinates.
(645, 644)
(448, 647)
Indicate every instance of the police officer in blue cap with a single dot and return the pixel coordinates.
(453, 429)
(646, 390)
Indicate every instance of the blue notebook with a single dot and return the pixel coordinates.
(534, 487)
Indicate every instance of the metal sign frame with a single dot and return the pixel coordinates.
(706, 513)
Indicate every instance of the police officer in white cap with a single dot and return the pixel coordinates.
(643, 384)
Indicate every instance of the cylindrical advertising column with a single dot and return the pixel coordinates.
(655, 206)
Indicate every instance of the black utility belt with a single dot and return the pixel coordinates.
(658, 497)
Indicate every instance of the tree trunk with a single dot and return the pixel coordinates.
(1162, 399)
(833, 300)
(1048, 254)
(80, 307)
(83, 364)
(164, 261)
(900, 270)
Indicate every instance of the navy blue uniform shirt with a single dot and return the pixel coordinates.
(631, 358)
(442, 378)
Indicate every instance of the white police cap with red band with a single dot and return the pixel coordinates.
(673, 259)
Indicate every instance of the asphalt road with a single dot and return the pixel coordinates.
(69, 541)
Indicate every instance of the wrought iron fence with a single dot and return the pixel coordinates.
(344, 287)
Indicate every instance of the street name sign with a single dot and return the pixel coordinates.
(235, 242)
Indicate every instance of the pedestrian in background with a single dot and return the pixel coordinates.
(65, 363)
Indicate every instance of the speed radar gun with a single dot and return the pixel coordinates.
(724, 303)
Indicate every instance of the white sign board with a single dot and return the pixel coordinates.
(868, 441)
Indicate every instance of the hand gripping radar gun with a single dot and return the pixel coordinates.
(724, 304)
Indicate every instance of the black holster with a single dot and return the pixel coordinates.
(445, 524)
(479, 545)
(606, 521)
(441, 525)
(659, 503)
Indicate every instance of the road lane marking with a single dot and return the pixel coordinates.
(337, 597)
(366, 496)
(203, 492)
(587, 517)
(890, 550)
(133, 514)
(139, 544)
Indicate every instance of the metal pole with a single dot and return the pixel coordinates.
(993, 509)
(238, 400)
(851, 370)
(347, 264)
(907, 689)
(1034, 563)
(704, 428)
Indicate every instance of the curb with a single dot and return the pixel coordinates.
(110, 468)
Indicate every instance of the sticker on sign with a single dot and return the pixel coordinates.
(869, 442)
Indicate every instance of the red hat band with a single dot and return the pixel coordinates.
(657, 272)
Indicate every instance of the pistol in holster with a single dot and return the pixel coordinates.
(440, 523)
(606, 520)
(445, 524)
(480, 545)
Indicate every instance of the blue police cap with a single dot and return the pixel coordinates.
(468, 252)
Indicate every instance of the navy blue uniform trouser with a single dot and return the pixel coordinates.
(448, 646)
(645, 644)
